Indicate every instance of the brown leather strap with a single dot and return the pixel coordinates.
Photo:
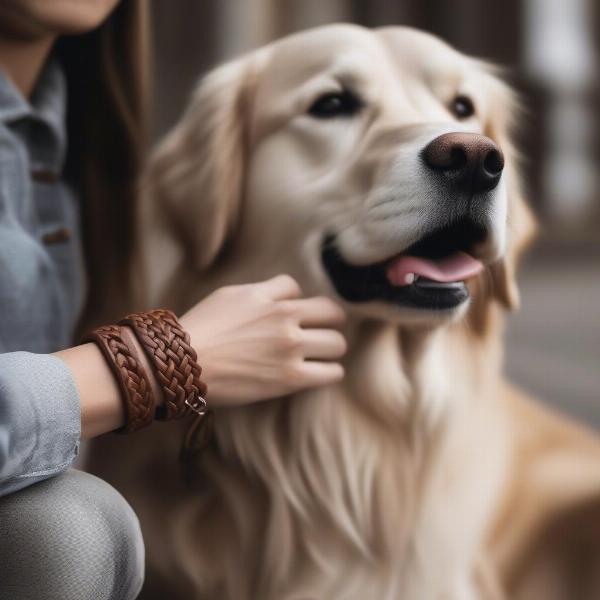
(130, 375)
(198, 437)
(168, 348)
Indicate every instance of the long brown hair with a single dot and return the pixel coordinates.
(106, 73)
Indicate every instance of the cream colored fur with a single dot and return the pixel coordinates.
(422, 476)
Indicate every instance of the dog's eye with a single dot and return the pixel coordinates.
(462, 107)
(337, 104)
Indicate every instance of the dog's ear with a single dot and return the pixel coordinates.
(503, 113)
(195, 177)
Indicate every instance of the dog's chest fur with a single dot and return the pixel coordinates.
(370, 490)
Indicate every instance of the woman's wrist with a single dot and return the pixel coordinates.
(122, 377)
(208, 370)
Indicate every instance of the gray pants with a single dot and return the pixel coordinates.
(71, 537)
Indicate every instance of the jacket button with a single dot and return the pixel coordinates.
(44, 176)
(59, 236)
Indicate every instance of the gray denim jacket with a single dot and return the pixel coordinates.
(41, 285)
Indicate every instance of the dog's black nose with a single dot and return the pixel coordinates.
(473, 162)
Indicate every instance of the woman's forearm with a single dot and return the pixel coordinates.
(102, 407)
(99, 395)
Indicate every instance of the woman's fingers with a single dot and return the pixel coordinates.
(281, 287)
(323, 344)
(313, 373)
(317, 312)
(319, 347)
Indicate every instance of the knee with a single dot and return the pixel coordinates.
(72, 536)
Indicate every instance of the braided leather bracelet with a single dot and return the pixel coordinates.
(167, 346)
(124, 362)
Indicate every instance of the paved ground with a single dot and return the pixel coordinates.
(554, 341)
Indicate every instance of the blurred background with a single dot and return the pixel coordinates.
(550, 48)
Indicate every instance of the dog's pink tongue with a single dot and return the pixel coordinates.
(456, 267)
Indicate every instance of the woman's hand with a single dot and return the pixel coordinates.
(259, 341)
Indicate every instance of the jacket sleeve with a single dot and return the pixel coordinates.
(40, 422)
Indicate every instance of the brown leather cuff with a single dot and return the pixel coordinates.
(167, 346)
(124, 362)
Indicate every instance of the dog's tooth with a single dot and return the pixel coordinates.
(409, 278)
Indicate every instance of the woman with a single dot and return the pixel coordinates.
(70, 147)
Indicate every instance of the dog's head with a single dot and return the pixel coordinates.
(373, 166)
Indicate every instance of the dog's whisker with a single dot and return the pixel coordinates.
(384, 201)
(387, 217)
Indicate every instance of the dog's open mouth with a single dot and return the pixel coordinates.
(431, 274)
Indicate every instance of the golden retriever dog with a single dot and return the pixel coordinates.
(374, 167)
